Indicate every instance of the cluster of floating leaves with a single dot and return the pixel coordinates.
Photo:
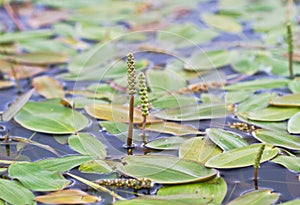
(190, 86)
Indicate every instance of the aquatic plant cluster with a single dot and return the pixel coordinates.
(147, 102)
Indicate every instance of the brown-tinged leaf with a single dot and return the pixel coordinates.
(26, 71)
(70, 196)
(117, 113)
(48, 87)
(173, 128)
(5, 84)
(47, 17)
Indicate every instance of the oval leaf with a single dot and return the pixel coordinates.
(215, 188)
(272, 114)
(198, 149)
(292, 163)
(70, 196)
(292, 100)
(173, 128)
(41, 58)
(35, 177)
(50, 117)
(166, 143)
(87, 144)
(241, 157)
(256, 197)
(225, 140)
(48, 87)
(293, 124)
(165, 169)
(222, 22)
(276, 138)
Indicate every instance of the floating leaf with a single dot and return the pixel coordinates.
(163, 80)
(46, 17)
(15, 107)
(293, 124)
(95, 166)
(5, 84)
(180, 199)
(225, 140)
(208, 60)
(293, 202)
(64, 163)
(50, 117)
(87, 144)
(254, 103)
(165, 169)
(114, 127)
(198, 149)
(166, 143)
(70, 196)
(174, 100)
(215, 188)
(292, 100)
(116, 113)
(41, 58)
(173, 128)
(258, 84)
(241, 157)
(35, 177)
(48, 87)
(178, 34)
(222, 22)
(256, 197)
(276, 138)
(272, 114)
(25, 35)
(199, 112)
(294, 85)
(10, 189)
(292, 163)
(237, 96)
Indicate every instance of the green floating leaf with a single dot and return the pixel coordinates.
(272, 114)
(69, 196)
(14, 193)
(292, 100)
(258, 84)
(35, 177)
(225, 140)
(166, 143)
(173, 128)
(165, 169)
(292, 163)
(215, 189)
(255, 102)
(95, 166)
(241, 157)
(163, 80)
(15, 107)
(294, 85)
(199, 112)
(293, 202)
(277, 138)
(237, 96)
(25, 35)
(208, 60)
(198, 149)
(222, 22)
(178, 34)
(64, 163)
(87, 144)
(174, 100)
(256, 197)
(114, 127)
(50, 117)
(180, 199)
(293, 124)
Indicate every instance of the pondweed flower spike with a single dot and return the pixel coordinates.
(290, 47)
(257, 163)
(131, 78)
(144, 102)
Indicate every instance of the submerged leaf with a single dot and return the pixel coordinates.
(256, 197)
(241, 157)
(48, 87)
(69, 196)
(165, 169)
(35, 177)
(277, 138)
(50, 117)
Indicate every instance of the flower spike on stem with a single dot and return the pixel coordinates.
(290, 47)
(257, 163)
(131, 80)
(144, 102)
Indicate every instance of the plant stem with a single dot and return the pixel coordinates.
(130, 126)
(12, 15)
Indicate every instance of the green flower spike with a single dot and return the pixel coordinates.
(290, 47)
(257, 163)
(131, 78)
(143, 94)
